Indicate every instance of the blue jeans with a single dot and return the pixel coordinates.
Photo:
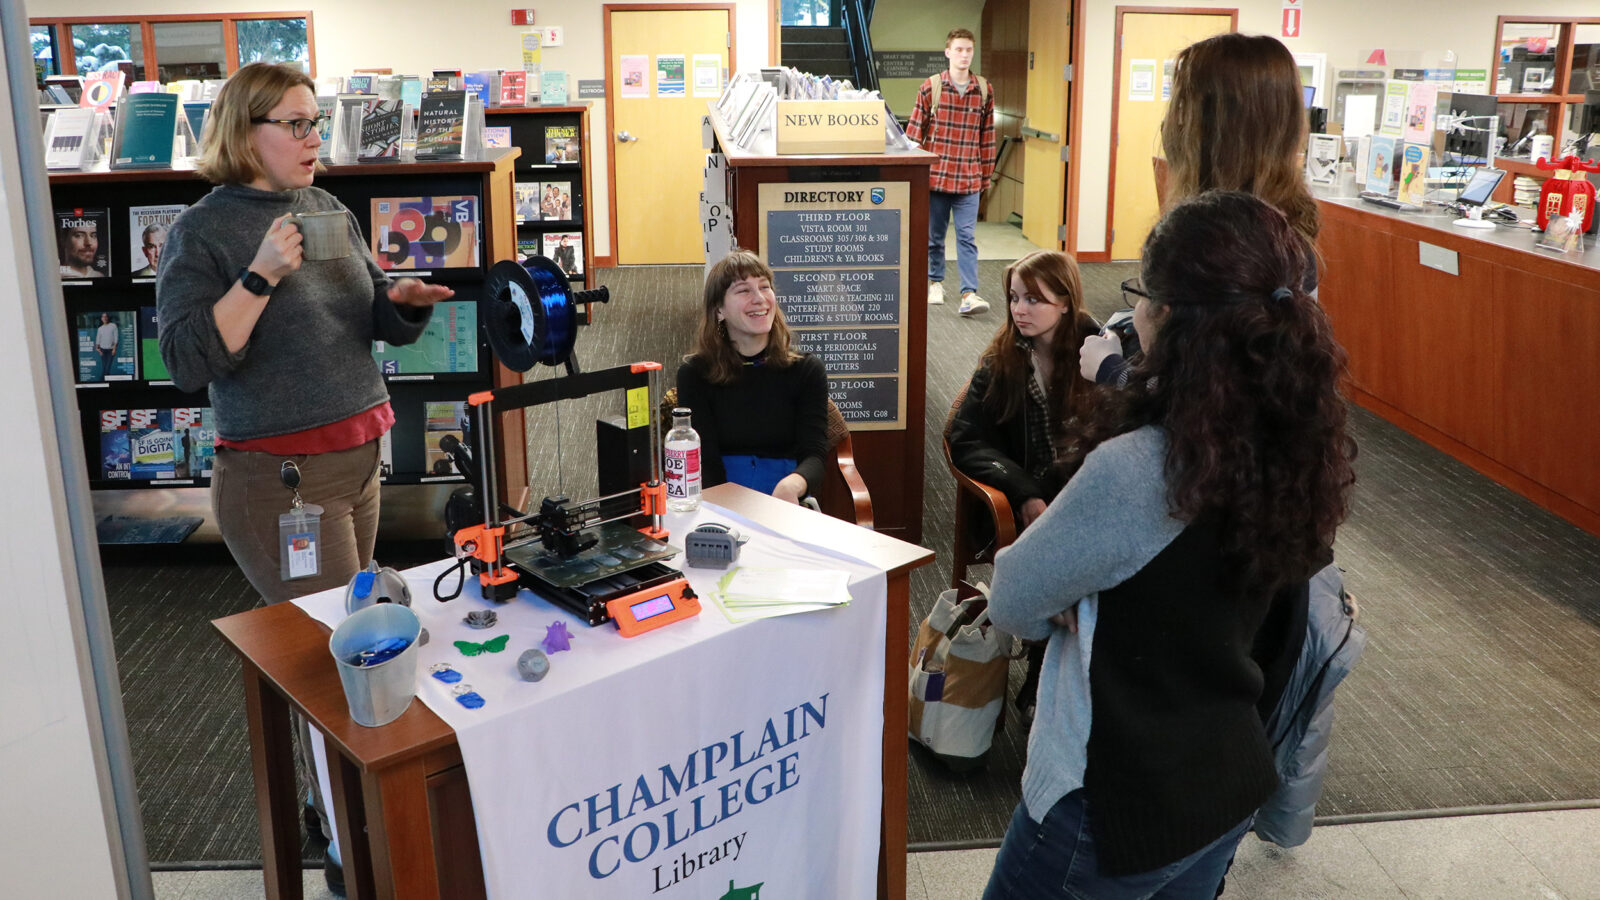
(964, 207)
(1057, 858)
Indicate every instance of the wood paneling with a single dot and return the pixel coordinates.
(1003, 60)
(1499, 366)
(1549, 332)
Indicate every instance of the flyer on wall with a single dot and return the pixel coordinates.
(633, 81)
(708, 74)
(669, 75)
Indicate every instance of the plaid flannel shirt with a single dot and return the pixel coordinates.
(963, 137)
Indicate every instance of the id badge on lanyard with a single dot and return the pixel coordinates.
(299, 531)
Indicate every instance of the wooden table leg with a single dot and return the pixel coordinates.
(399, 826)
(896, 657)
(277, 802)
(350, 818)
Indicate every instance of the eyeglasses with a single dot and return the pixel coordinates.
(1132, 292)
(299, 128)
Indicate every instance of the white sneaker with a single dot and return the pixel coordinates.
(935, 293)
(972, 305)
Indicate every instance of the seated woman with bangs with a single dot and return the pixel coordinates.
(760, 408)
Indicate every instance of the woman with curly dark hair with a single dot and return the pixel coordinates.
(1209, 488)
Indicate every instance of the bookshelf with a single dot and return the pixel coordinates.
(413, 497)
(1542, 66)
(529, 128)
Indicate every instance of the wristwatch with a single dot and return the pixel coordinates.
(254, 283)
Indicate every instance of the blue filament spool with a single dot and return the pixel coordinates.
(529, 313)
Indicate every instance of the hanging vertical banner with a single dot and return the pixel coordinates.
(669, 75)
(633, 81)
(1291, 18)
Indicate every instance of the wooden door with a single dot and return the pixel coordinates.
(1045, 132)
(1147, 42)
(656, 150)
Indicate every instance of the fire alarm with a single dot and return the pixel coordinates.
(522, 17)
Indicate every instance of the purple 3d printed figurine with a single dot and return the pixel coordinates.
(556, 638)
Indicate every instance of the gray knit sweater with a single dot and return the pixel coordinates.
(309, 360)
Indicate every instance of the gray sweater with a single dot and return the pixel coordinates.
(308, 362)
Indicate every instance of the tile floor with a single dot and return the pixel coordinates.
(1509, 856)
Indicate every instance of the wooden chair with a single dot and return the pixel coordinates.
(843, 493)
(974, 498)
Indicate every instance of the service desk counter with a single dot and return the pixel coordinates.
(702, 759)
(1475, 341)
(847, 238)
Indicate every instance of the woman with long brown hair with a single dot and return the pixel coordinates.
(761, 408)
(1204, 492)
(1025, 400)
(1237, 122)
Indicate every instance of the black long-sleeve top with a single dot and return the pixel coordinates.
(771, 411)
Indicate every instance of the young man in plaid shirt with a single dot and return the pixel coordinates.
(957, 123)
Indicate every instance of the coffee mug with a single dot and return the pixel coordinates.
(326, 235)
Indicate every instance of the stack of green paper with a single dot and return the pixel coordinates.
(750, 592)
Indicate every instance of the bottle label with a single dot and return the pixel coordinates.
(683, 472)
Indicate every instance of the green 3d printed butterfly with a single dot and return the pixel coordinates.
(494, 645)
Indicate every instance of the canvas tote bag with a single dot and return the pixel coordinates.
(958, 674)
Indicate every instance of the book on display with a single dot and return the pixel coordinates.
(150, 361)
(425, 233)
(527, 248)
(441, 125)
(555, 201)
(102, 90)
(553, 88)
(561, 143)
(106, 342)
(514, 88)
(497, 136)
(147, 235)
(1413, 174)
(147, 126)
(449, 345)
(527, 193)
(69, 142)
(382, 127)
(358, 84)
(83, 240)
(1380, 173)
(144, 87)
(565, 249)
(442, 418)
(1322, 158)
(156, 444)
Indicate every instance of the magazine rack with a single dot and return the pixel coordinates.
(529, 125)
(413, 497)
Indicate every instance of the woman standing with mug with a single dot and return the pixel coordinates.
(283, 342)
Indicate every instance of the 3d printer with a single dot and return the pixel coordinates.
(602, 558)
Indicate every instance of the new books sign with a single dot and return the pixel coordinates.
(830, 126)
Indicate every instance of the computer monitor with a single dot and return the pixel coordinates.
(1481, 187)
(1310, 93)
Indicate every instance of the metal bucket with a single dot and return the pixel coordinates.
(380, 692)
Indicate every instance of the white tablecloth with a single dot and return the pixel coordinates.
(697, 760)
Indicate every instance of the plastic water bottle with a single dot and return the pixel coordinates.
(683, 464)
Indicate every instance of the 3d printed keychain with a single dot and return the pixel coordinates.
(467, 697)
(445, 673)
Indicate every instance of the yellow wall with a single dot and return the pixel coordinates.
(418, 36)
